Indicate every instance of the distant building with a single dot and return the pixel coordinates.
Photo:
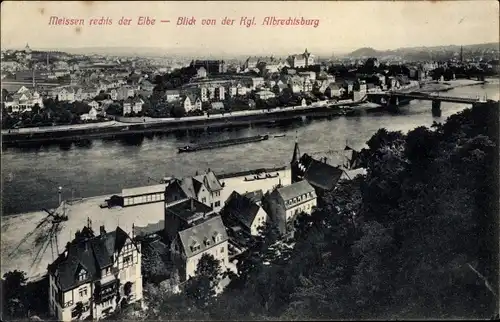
(90, 116)
(202, 72)
(132, 105)
(172, 95)
(217, 106)
(301, 60)
(124, 92)
(210, 66)
(95, 275)
(23, 100)
(264, 95)
(191, 102)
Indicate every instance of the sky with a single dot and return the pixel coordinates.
(343, 25)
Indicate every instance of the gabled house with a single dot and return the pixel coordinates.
(132, 105)
(65, 94)
(333, 90)
(191, 102)
(205, 188)
(95, 275)
(244, 212)
(194, 230)
(23, 100)
(90, 116)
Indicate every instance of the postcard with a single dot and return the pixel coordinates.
(249, 160)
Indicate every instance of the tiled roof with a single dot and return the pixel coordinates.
(210, 180)
(242, 208)
(320, 174)
(295, 189)
(256, 196)
(204, 235)
(91, 254)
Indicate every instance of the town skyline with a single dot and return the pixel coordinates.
(385, 26)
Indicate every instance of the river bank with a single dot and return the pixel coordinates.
(31, 177)
(120, 129)
(449, 85)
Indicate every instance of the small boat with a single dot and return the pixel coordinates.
(221, 144)
(280, 135)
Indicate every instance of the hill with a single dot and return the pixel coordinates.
(422, 53)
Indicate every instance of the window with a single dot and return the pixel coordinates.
(217, 204)
(83, 292)
(211, 205)
(127, 260)
(204, 200)
(206, 242)
(195, 246)
(82, 275)
(222, 250)
(217, 237)
(106, 271)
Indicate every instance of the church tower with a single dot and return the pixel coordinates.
(295, 163)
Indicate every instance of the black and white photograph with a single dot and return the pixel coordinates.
(249, 160)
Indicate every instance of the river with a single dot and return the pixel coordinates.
(31, 178)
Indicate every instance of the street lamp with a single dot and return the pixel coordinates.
(59, 192)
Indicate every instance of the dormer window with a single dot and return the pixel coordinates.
(82, 275)
(207, 242)
(195, 246)
(217, 237)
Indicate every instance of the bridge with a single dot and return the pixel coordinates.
(395, 98)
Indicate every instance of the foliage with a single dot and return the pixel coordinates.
(412, 239)
(202, 287)
(14, 293)
(153, 264)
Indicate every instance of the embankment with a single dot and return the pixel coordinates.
(118, 129)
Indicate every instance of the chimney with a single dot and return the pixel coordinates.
(192, 204)
(324, 159)
(102, 230)
(208, 170)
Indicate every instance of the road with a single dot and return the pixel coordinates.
(156, 121)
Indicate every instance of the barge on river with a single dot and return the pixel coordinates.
(221, 144)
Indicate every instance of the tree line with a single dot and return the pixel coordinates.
(414, 238)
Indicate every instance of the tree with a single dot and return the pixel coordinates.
(202, 287)
(178, 111)
(114, 109)
(36, 108)
(153, 265)
(14, 292)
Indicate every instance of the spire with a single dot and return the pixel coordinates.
(296, 152)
